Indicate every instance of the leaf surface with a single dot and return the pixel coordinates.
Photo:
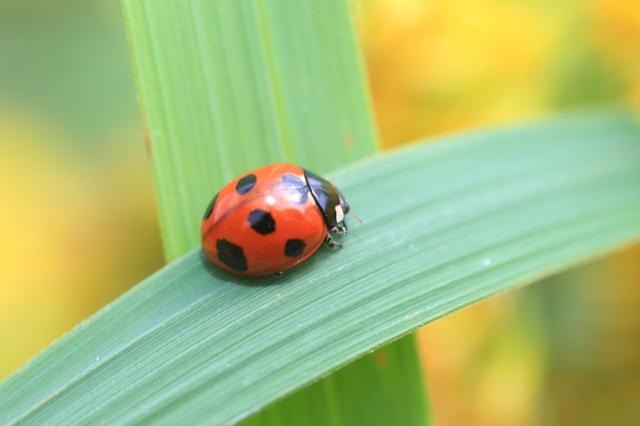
(447, 224)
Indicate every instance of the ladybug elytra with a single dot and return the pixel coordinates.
(271, 219)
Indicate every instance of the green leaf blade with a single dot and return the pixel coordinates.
(447, 224)
(230, 86)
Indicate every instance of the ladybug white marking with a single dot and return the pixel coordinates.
(339, 214)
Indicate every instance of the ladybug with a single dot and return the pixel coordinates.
(272, 219)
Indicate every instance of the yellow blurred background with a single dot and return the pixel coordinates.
(567, 350)
(77, 217)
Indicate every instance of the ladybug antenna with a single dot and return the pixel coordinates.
(355, 215)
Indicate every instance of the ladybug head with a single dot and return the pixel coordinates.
(343, 202)
(328, 198)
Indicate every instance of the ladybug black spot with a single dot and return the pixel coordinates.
(246, 184)
(210, 207)
(297, 188)
(231, 255)
(262, 222)
(294, 247)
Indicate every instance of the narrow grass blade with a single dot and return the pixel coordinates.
(230, 85)
(227, 86)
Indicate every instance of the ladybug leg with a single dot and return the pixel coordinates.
(278, 274)
(340, 229)
(332, 243)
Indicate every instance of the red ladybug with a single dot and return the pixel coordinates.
(271, 219)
